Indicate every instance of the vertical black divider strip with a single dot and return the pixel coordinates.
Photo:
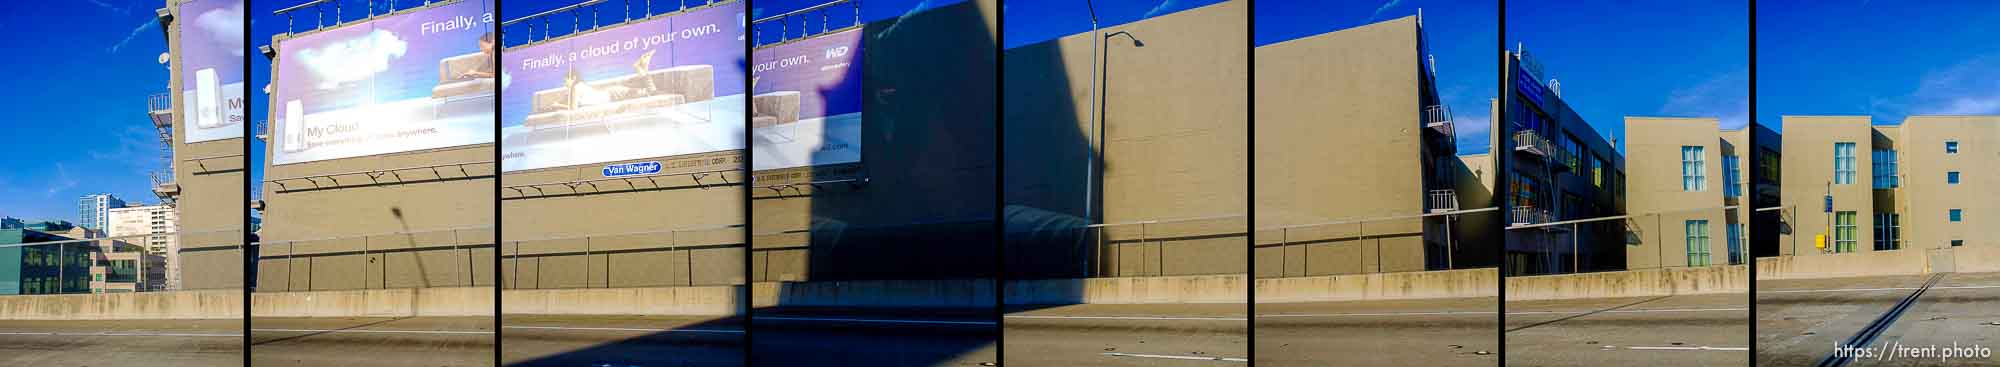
(999, 181)
(249, 132)
(1500, 253)
(747, 296)
(1250, 182)
(1750, 295)
(499, 50)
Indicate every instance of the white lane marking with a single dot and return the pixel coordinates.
(1191, 358)
(1658, 310)
(1133, 318)
(368, 331)
(107, 333)
(880, 321)
(1707, 348)
(619, 329)
(1877, 289)
(1433, 313)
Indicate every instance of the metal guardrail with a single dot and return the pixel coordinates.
(1442, 201)
(1529, 141)
(322, 263)
(575, 186)
(1355, 233)
(646, 10)
(1114, 246)
(804, 17)
(1529, 215)
(319, 10)
(375, 176)
(70, 266)
(160, 103)
(1556, 235)
(548, 257)
(1438, 118)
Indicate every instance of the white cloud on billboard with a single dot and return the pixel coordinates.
(225, 25)
(354, 59)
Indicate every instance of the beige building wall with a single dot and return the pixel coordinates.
(1928, 196)
(661, 230)
(1660, 204)
(420, 228)
(1339, 138)
(1175, 138)
(1808, 170)
(209, 177)
(919, 204)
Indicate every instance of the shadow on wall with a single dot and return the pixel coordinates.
(1049, 180)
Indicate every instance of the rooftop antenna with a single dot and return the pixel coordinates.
(1556, 86)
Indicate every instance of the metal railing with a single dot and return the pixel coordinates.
(1529, 141)
(371, 9)
(1185, 246)
(1442, 201)
(262, 129)
(1523, 215)
(405, 259)
(57, 264)
(161, 177)
(1438, 118)
(826, 21)
(1592, 244)
(160, 103)
(438, 172)
(1385, 244)
(639, 259)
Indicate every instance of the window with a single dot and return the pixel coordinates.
(1951, 147)
(1888, 231)
(1843, 231)
(1697, 242)
(1951, 177)
(1885, 169)
(1736, 244)
(1596, 171)
(1843, 163)
(1731, 181)
(1957, 243)
(1692, 179)
(1957, 215)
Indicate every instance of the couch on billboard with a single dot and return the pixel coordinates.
(585, 102)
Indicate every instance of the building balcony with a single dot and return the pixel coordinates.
(1442, 201)
(263, 130)
(1437, 119)
(1532, 143)
(161, 107)
(1524, 215)
(164, 186)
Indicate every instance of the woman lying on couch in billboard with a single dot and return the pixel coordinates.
(579, 101)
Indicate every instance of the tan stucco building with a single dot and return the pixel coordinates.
(1686, 188)
(205, 185)
(1916, 185)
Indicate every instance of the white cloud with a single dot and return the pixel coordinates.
(226, 25)
(61, 182)
(353, 59)
(1725, 97)
(134, 34)
(1383, 8)
(1971, 87)
(1159, 9)
(1472, 133)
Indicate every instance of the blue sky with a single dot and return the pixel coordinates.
(1463, 35)
(78, 120)
(1886, 59)
(1650, 58)
(1035, 21)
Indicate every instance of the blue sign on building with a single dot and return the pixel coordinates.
(1829, 203)
(632, 169)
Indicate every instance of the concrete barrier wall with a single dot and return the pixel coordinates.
(1381, 286)
(1859, 264)
(1976, 259)
(1130, 290)
(702, 301)
(1631, 283)
(203, 304)
(406, 302)
(944, 293)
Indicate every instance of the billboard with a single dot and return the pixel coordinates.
(412, 81)
(806, 106)
(656, 88)
(211, 65)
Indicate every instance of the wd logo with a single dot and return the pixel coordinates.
(836, 52)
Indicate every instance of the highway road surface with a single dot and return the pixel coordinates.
(1128, 335)
(372, 341)
(1800, 321)
(122, 343)
(1434, 332)
(1682, 330)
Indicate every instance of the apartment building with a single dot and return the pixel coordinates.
(1856, 187)
(1351, 130)
(158, 223)
(1686, 192)
(94, 211)
(1556, 168)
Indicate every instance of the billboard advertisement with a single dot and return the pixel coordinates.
(412, 81)
(211, 64)
(655, 88)
(806, 106)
